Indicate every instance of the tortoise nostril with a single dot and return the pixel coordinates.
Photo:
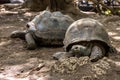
(76, 47)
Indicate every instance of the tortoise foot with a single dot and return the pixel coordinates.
(96, 53)
(61, 55)
(18, 34)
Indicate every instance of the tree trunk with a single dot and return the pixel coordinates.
(36, 5)
(4, 1)
(65, 6)
(43, 4)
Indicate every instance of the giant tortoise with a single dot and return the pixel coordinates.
(45, 29)
(86, 37)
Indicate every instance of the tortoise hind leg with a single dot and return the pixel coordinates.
(31, 45)
(97, 53)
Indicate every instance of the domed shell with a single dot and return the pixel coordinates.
(51, 25)
(85, 29)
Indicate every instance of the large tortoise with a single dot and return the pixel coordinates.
(86, 37)
(45, 29)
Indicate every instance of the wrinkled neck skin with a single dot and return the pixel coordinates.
(80, 50)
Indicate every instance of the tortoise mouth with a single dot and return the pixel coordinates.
(105, 45)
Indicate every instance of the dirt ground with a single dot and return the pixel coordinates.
(18, 63)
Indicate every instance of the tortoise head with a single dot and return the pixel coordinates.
(78, 50)
(30, 27)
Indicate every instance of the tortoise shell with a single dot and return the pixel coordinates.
(83, 30)
(50, 25)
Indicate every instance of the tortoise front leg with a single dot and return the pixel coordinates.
(97, 53)
(61, 55)
(30, 41)
(18, 34)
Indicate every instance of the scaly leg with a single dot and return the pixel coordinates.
(97, 53)
(30, 41)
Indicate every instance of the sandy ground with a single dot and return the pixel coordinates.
(18, 63)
